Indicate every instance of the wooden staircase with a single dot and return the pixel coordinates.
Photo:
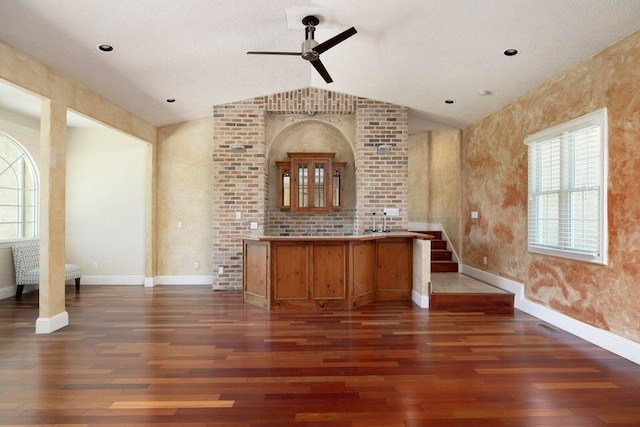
(442, 262)
(441, 258)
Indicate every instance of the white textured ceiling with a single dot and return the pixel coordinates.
(415, 53)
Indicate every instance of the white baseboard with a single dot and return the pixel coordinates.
(614, 343)
(10, 291)
(421, 301)
(46, 325)
(132, 280)
(184, 280)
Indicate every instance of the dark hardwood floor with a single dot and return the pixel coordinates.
(188, 356)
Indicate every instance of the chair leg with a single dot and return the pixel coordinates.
(78, 284)
(19, 291)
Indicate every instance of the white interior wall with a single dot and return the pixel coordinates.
(105, 205)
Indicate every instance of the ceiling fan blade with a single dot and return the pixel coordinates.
(275, 53)
(317, 64)
(326, 45)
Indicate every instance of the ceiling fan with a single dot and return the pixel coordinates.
(311, 49)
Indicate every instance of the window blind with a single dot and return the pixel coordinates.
(567, 189)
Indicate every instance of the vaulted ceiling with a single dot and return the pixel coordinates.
(416, 53)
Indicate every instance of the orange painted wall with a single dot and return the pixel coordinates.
(494, 181)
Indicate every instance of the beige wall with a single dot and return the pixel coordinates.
(418, 187)
(434, 181)
(184, 195)
(494, 170)
(444, 183)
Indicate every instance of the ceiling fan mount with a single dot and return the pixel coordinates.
(310, 20)
(311, 49)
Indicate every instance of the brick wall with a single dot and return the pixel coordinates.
(283, 223)
(382, 179)
(239, 183)
(310, 99)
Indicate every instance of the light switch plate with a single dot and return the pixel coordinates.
(254, 225)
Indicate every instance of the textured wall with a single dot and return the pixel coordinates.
(184, 194)
(444, 183)
(434, 181)
(494, 168)
(418, 187)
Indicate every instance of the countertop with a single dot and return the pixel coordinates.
(354, 237)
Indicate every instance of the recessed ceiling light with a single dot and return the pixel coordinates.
(511, 52)
(170, 100)
(105, 47)
(484, 92)
(449, 101)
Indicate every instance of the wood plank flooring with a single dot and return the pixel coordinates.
(187, 356)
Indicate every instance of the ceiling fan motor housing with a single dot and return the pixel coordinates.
(307, 50)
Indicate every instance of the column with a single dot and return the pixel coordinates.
(53, 126)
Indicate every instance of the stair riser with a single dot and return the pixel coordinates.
(438, 244)
(496, 303)
(444, 267)
(441, 255)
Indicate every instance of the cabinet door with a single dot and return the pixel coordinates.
(394, 269)
(329, 271)
(289, 271)
(364, 262)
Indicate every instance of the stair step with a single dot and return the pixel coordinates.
(438, 244)
(441, 255)
(436, 234)
(444, 266)
(494, 303)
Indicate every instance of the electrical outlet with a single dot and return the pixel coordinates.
(392, 211)
(94, 264)
(220, 271)
(196, 265)
(484, 260)
(474, 214)
(238, 215)
(254, 225)
(179, 224)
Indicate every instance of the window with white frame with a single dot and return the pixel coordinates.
(18, 191)
(568, 189)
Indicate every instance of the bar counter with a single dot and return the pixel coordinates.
(334, 272)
